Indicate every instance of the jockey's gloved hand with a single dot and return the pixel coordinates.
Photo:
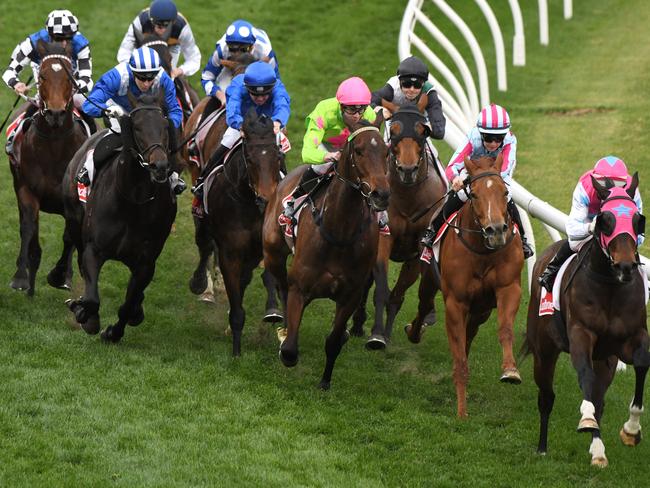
(115, 111)
(592, 226)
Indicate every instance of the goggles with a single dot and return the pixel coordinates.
(146, 76)
(239, 48)
(353, 109)
(493, 137)
(162, 23)
(411, 83)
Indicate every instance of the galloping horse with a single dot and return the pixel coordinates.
(415, 185)
(336, 248)
(128, 215)
(236, 201)
(41, 157)
(480, 268)
(602, 318)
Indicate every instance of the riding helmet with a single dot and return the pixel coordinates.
(413, 67)
(259, 78)
(493, 119)
(144, 60)
(611, 167)
(61, 23)
(163, 10)
(353, 91)
(240, 32)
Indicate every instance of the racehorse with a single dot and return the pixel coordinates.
(335, 249)
(236, 200)
(480, 269)
(602, 318)
(48, 142)
(415, 185)
(128, 215)
(187, 96)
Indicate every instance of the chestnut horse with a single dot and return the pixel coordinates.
(480, 269)
(236, 201)
(41, 157)
(335, 248)
(128, 214)
(415, 185)
(602, 318)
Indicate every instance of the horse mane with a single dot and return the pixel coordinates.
(54, 48)
(257, 126)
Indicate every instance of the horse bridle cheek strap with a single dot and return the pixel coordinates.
(360, 183)
(137, 152)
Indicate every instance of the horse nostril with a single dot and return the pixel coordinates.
(504, 228)
(489, 230)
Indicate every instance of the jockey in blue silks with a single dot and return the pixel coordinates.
(143, 74)
(260, 89)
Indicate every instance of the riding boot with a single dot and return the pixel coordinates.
(90, 122)
(215, 160)
(307, 183)
(452, 204)
(177, 183)
(547, 278)
(514, 213)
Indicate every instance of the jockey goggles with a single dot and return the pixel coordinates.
(239, 48)
(411, 83)
(146, 76)
(492, 137)
(162, 23)
(353, 109)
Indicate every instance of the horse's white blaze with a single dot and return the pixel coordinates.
(489, 215)
(597, 449)
(489, 183)
(373, 141)
(263, 152)
(57, 67)
(633, 425)
(587, 410)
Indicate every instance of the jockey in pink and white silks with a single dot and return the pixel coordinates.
(490, 137)
(585, 206)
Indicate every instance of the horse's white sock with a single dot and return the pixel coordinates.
(633, 425)
(597, 448)
(587, 409)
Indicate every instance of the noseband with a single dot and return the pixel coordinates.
(359, 185)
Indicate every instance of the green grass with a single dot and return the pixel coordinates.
(168, 406)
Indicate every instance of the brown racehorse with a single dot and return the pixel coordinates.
(602, 319)
(41, 157)
(236, 199)
(480, 268)
(336, 247)
(415, 185)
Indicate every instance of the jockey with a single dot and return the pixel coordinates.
(63, 27)
(490, 137)
(259, 89)
(143, 74)
(407, 87)
(327, 133)
(163, 19)
(240, 37)
(585, 206)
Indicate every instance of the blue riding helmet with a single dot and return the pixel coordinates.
(259, 78)
(145, 60)
(240, 32)
(162, 10)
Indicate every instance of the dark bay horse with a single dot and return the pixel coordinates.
(602, 318)
(128, 215)
(41, 157)
(480, 267)
(236, 201)
(414, 185)
(336, 247)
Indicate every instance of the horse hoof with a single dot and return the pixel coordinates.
(376, 342)
(630, 440)
(207, 297)
(282, 334)
(512, 376)
(324, 385)
(273, 315)
(91, 326)
(408, 328)
(137, 318)
(198, 284)
(108, 335)
(288, 361)
(19, 284)
(56, 279)
(430, 318)
(600, 462)
(587, 424)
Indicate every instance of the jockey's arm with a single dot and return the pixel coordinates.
(191, 53)
(105, 88)
(174, 111)
(312, 151)
(234, 93)
(577, 225)
(20, 57)
(84, 70)
(436, 117)
(128, 43)
(456, 166)
(210, 74)
(281, 104)
(386, 92)
(509, 154)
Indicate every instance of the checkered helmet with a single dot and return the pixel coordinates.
(61, 23)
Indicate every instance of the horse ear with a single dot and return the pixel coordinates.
(631, 190)
(41, 47)
(470, 165)
(499, 162)
(139, 38)
(423, 130)
(395, 128)
(389, 105)
(422, 102)
(638, 223)
(601, 191)
(378, 119)
(606, 223)
(133, 101)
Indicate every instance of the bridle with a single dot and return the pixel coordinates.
(41, 102)
(409, 134)
(359, 185)
(601, 244)
(137, 152)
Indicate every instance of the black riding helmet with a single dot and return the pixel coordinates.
(413, 67)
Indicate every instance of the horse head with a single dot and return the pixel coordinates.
(55, 86)
(408, 134)
(363, 162)
(618, 226)
(238, 62)
(158, 44)
(146, 133)
(262, 156)
(489, 199)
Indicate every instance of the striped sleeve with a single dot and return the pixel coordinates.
(457, 162)
(20, 58)
(84, 70)
(509, 159)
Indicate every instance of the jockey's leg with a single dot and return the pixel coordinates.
(22, 127)
(104, 149)
(453, 203)
(514, 213)
(547, 278)
(78, 99)
(177, 183)
(213, 104)
(308, 182)
(230, 137)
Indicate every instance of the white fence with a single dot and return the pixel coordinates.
(461, 102)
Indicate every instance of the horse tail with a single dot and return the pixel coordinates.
(525, 350)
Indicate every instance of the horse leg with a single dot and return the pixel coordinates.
(407, 276)
(378, 336)
(360, 315)
(205, 245)
(337, 337)
(131, 311)
(28, 213)
(233, 275)
(456, 325)
(544, 371)
(581, 347)
(631, 431)
(86, 308)
(293, 315)
(273, 313)
(508, 298)
(604, 374)
(429, 285)
(61, 275)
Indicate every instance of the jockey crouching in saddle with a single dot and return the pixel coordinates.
(406, 88)
(326, 135)
(143, 74)
(585, 206)
(259, 89)
(163, 19)
(490, 137)
(63, 27)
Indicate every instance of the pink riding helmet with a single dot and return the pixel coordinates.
(353, 91)
(613, 168)
(493, 119)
